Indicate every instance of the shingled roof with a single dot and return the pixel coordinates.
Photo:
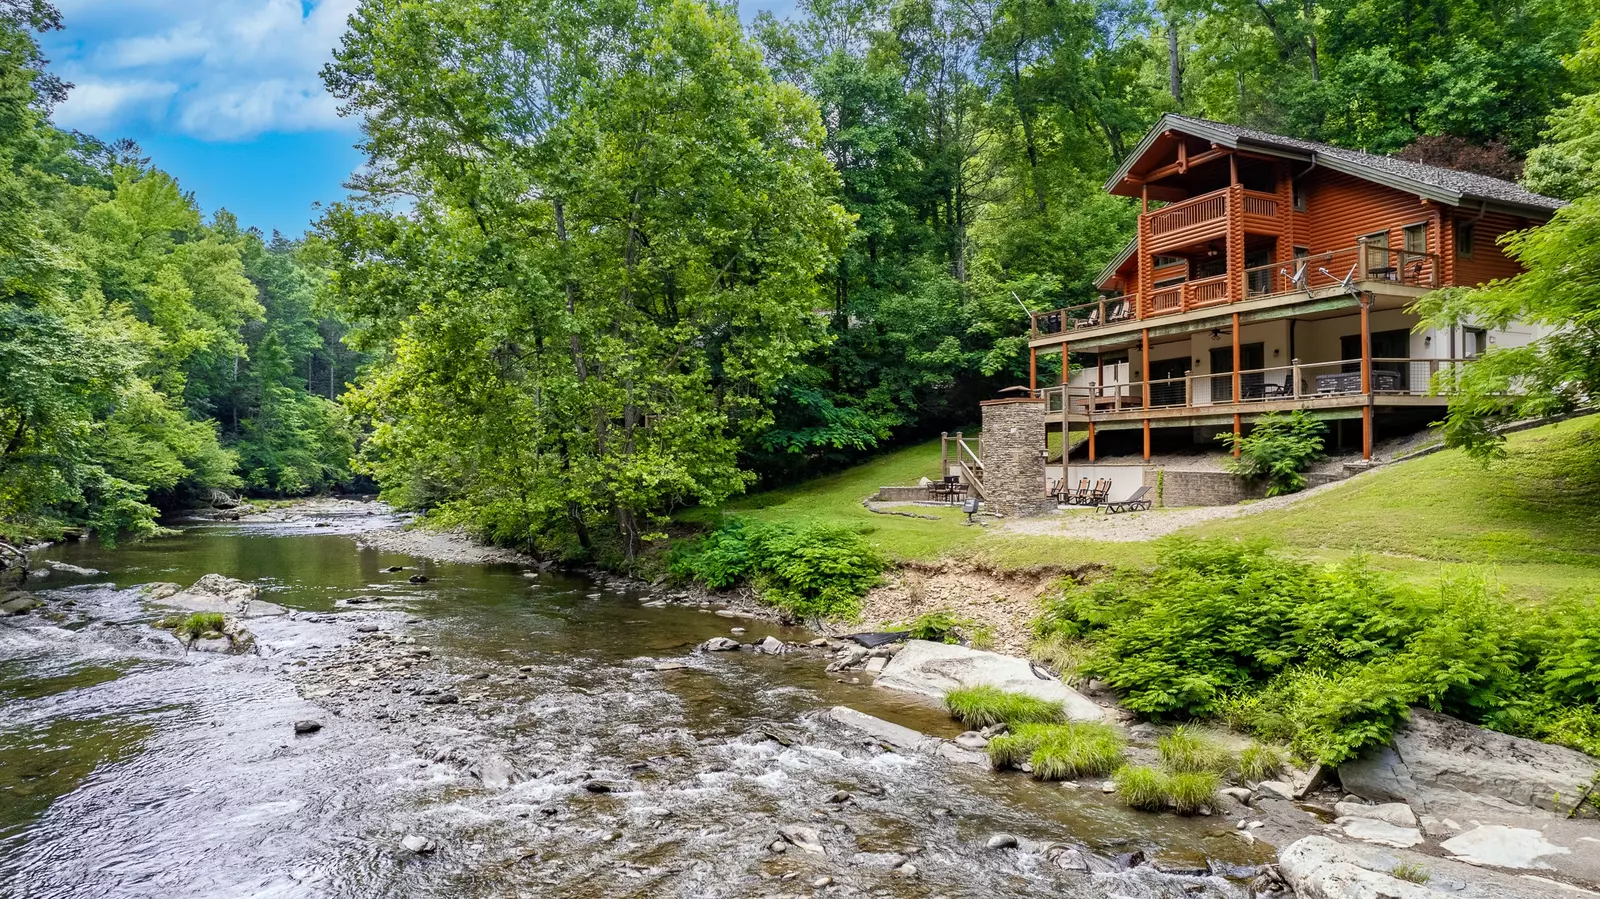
(1430, 181)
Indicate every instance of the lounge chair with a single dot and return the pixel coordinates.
(1134, 503)
(1102, 488)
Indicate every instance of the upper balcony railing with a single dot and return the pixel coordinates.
(1364, 262)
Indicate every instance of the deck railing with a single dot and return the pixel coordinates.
(1297, 380)
(1189, 213)
(1362, 263)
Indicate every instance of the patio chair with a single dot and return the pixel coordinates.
(1268, 389)
(1134, 503)
(1102, 488)
(1071, 497)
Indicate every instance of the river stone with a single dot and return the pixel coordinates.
(886, 732)
(307, 726)
(934, 669)
(161, 590)
(719, 644)
(804, 838)
(1276, 789)
(1002, 841)
(1437, 763)
(18, 604)
(821, 882)
(217, 643)
(971, 740)
(1371, 830)
(442, 699)
(1237, 794)
(876, 664)
(670, 665)
(418, 844)
(418, 579)
(80, 571)
(1397, 813)
(495, 772)
(215, 593)
(1316, 867)
(1503, 847)
(772, 646)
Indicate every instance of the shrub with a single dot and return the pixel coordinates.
(814, 571)
(1277, 450)
(1192, 791)
(1142, 787)
(1258, 762)
(1070, 751)
(983, 706)
(944, 626)
(1183, 751)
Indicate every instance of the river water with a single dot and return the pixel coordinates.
(129, 768)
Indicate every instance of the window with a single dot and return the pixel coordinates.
(1465, 232)
(1301, 252)
(1159, 261)
(1476, 340)
(1416, 237)
(1299, 194)
(1378, 265)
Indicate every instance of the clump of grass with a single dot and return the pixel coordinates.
(1411, 871)
(1193, 790)
(1060, 652)
(1258, 762)
(201, 623)
(983, 706)
(1142, 787)
(1011, 749)
(1185, 752)
(1076, 750)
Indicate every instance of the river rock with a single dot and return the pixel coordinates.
(18, 604)
(1437, 763)
(1002, 841)
(216, 643)
(1371, 830)
(495, 772)
(1397, 813)
(1275, 789)
(934, 669)
(161, 590)
(442, 699)
(972, 740)
(670, 665)
(821, 882)
(1503, 847)
(772, 646)
(719, 644)
(876, 664)
(802, 837)
(884, 732)
(215, 593)
(80, 571)
(418, 844)
(418, 579)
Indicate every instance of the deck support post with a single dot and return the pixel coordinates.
(1238, 428)
(1147, 440)
(1236, 396)
(1033, 370)
(944, 454)
(1144, 385)
(1295, 374)
(1366, 377)
(1091, 440)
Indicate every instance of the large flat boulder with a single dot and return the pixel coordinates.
(215, 593)
(934, 669)
(1438, 764)
(1317, 867)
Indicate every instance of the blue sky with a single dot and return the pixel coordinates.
(224, 94)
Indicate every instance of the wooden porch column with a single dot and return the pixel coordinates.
(1033, 370)
(944, 454)
(1238, 428)
(1236, 358)
(1091, 440)
(1147, 440)
(1366, 379)
(1100, 372)
(1235, 239)
(1144, 352)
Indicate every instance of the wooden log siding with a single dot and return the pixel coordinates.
(1488, 261)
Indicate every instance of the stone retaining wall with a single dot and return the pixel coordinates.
(912, 494)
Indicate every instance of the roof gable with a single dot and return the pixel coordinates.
(1430, 181)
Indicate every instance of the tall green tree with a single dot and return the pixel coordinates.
(610, 264)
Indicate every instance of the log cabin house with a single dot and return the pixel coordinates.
(1267, 274)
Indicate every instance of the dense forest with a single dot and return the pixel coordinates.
(616, 257)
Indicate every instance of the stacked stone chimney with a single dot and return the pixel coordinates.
(1013, 456)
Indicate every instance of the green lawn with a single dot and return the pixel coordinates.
(1532, 519)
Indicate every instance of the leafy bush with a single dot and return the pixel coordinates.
(1142, 787)
(944, 626)
(1184, 752)
(983, 706)
(1329, 659)
(816, 571)
(1258, 763)
(1278, 450)
(1192, 791)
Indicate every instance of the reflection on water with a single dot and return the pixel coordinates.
(129, 769)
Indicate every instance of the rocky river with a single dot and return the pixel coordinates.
(408, 727)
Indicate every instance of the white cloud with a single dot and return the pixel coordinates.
(212, 69)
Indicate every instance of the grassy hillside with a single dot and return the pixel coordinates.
(1534, 517)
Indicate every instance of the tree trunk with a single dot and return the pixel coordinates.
(1311, 38)
(1174, 72)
